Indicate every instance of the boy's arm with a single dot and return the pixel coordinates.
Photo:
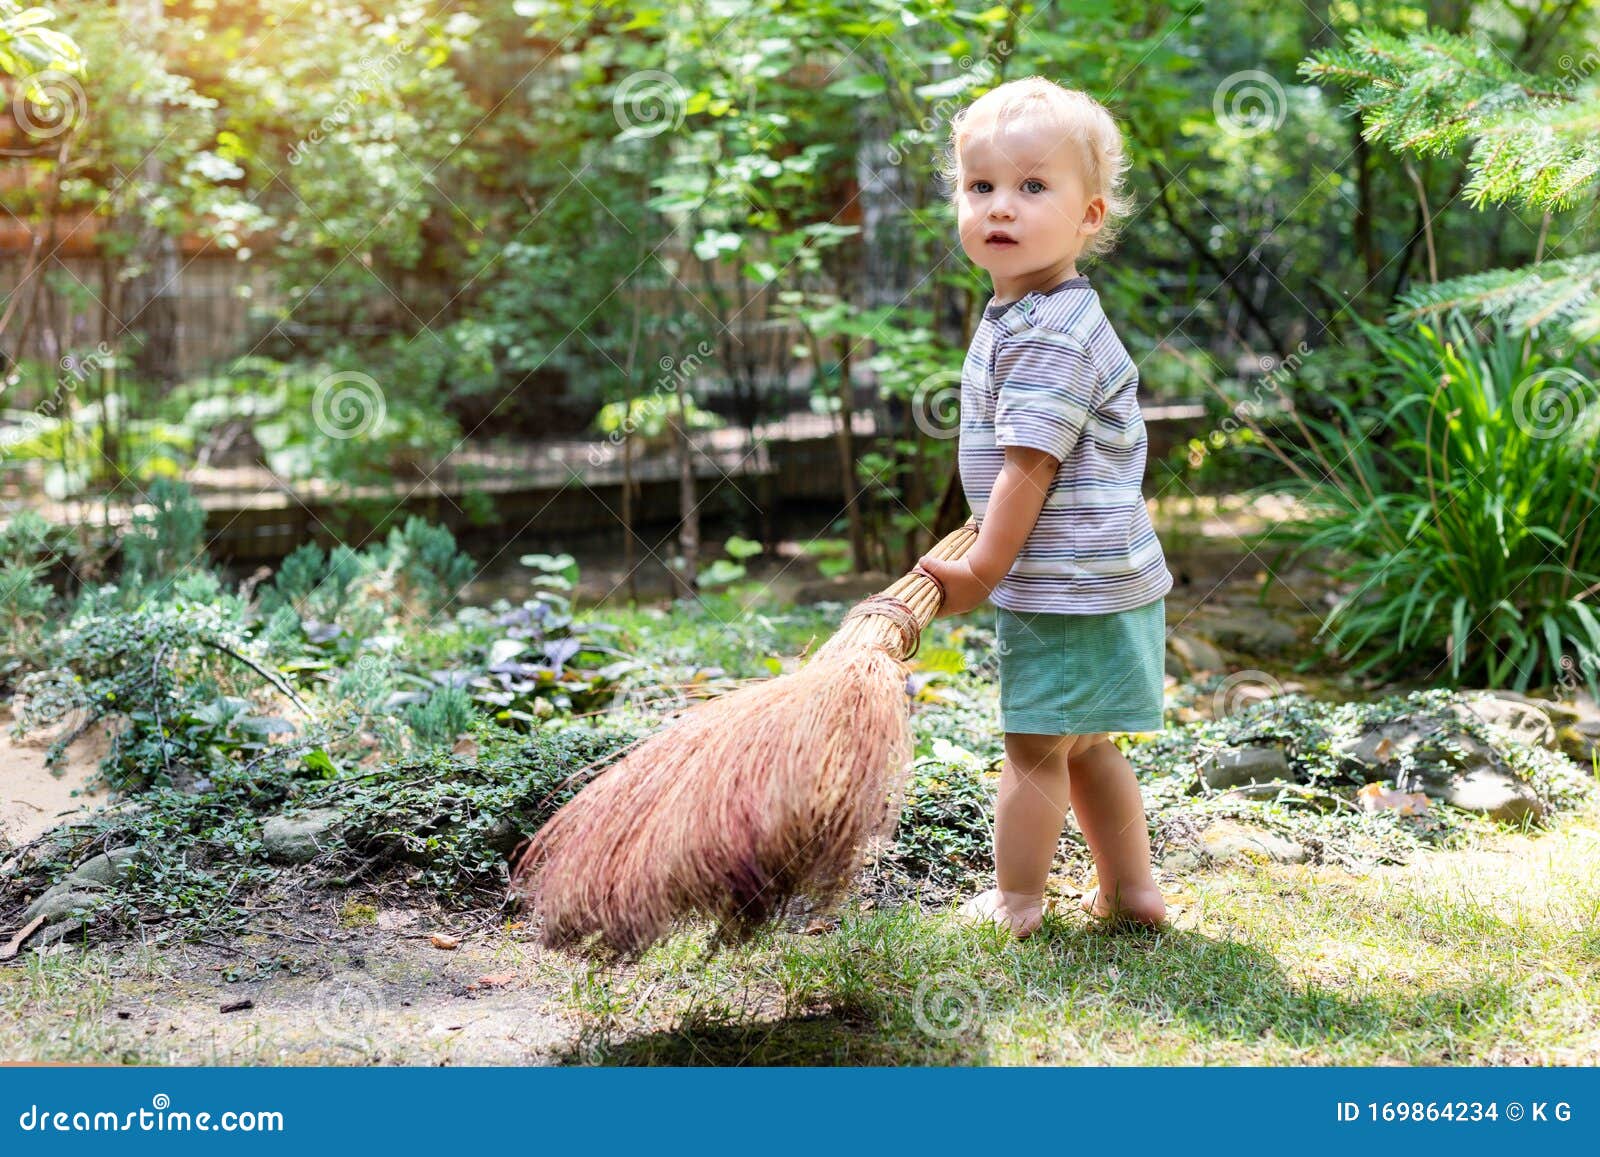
(1014, 505)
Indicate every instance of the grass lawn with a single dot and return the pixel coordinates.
(1485, 955)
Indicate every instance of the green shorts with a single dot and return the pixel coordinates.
(1079, 674)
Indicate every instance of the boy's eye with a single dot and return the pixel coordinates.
(976, 184)
(1033, 181)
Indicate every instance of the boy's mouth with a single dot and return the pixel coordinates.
(1000, 238)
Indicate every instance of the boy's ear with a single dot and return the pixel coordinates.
(1094, 215)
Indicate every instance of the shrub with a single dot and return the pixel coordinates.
(1460, 511)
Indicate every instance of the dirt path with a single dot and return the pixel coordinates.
(308, 989)
(34, 798)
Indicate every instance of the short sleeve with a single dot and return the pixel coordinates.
(1046, 386)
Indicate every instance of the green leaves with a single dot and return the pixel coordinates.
(1533, 144)
(28, 45)
(1458, 512)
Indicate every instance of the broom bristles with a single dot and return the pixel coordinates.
(764, 793)
(770, 791)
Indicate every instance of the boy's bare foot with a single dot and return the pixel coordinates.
(1021, 914)
(1137, 905)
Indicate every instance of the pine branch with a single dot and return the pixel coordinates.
(1553, 295)
(1535, 141)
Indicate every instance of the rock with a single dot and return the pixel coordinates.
(1559, 714)
(1190, 654)
(1494, 793)
(105, 869)
(301, 838)
(1369, 754)
(1316, 798)
(1245, 765)
(843, 588)
(1373, 755)
(1474, 781)
(58, 902)
(1228, 841)
(503, 836)
(1522, 720)
(1581, 741)
(1252, 632)
(1292, 592)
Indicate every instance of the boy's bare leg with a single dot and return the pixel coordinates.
(1109, 809)
(1029, 810)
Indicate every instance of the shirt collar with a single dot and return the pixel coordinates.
(1030, 300)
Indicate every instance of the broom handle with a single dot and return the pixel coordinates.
(917, 590)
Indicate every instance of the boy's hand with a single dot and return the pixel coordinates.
(963, 590)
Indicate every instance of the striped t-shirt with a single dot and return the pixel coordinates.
(1048, 371)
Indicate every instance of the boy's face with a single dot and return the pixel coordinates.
(1022, 211)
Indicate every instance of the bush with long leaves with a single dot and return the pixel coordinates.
(1462, 512)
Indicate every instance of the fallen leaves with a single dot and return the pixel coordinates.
(445, 941)
(1374, 797)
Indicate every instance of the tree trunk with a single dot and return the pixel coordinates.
(152, 312)
(686, 578)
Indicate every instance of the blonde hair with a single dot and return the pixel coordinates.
(1081, 119)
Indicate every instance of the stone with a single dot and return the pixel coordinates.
(106, 868)
(1373, 754)
(1524, 721)
(1227, 841)
(1369, 754)
(1316, 798)
(58, 902)
(1581, 741)
(1292, 593)
(1244, 765)
(1251, 631)
(1190, 654)
(301, 838)
(1494, 793)
(503, 836)
(1559, 714)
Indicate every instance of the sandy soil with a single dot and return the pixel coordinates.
(34, 798)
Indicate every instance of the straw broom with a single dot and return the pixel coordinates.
(762, 794)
